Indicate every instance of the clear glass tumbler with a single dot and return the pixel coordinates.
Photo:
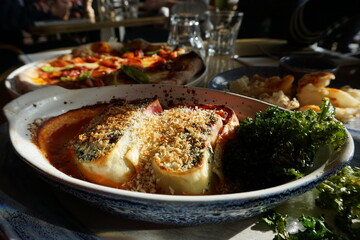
(221, 31)
(185, 32)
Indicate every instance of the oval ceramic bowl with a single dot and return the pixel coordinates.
(166, 209)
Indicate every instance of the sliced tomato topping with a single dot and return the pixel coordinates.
(59, 63)
(44, 75)
(111, 63)
(128, 55)
(55, 74)
(96, 73)
(78, 60)
(92, 59)
(134, 61)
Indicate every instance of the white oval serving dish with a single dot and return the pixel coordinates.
(166, 209)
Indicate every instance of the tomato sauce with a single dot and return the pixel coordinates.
(56, 148)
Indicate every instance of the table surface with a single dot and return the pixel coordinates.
(47, 213)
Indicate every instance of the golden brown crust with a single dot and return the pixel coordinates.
(172, 151)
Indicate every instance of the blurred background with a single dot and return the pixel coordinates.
(329, 24)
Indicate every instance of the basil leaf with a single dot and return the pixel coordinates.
(135, 74)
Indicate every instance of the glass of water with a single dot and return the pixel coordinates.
(221, 29)
(185, 32)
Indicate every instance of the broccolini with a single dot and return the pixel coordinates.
(277, 146)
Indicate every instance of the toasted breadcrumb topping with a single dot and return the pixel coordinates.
(175, 139)
(179, 137)
(103, 132)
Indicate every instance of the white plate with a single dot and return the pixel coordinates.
(160, 208)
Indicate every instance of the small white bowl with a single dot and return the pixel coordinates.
(166, 209)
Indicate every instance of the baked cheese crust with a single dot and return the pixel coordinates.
(140, 147)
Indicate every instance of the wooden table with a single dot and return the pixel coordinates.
(89, 26)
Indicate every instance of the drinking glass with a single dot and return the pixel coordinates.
(131, 8)
(185, 32)
(221, 30)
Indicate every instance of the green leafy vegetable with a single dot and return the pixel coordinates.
(314, 228)
(341, 193)
(135, 74)
(65, 79)
(153, 52)
(278, 146)
(47, 69)
(84, 75)
(278, 223)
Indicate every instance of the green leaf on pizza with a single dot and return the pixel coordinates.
(84, 75)
(135, 74)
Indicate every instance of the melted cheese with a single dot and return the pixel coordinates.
(176, 155)
(104, 148)
(175, 151)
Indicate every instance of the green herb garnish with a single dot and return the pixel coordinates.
(47, 69)
(84, 75)
(278, 223)
(135, 74)
(314, 228)
(341, 193)
(277, 146)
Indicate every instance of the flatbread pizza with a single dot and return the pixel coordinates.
(112, 63)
